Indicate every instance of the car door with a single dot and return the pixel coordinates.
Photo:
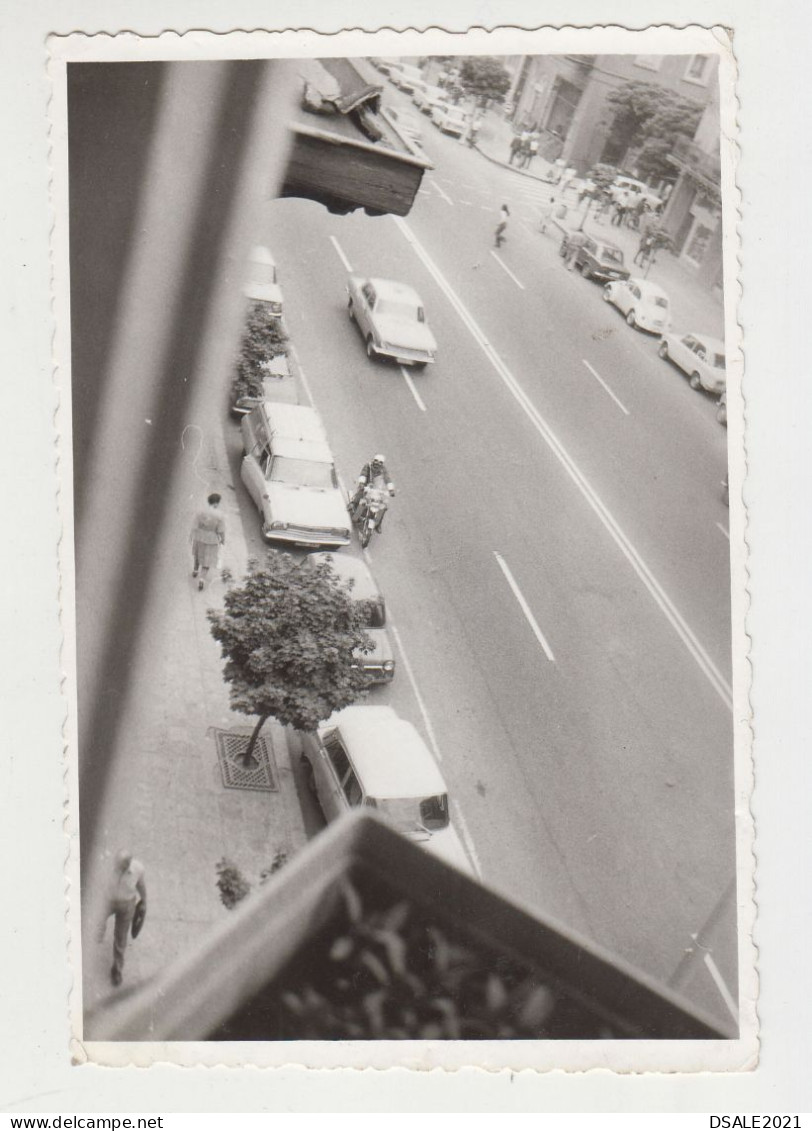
(333, 769)
(683, 353)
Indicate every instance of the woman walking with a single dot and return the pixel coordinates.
(208, 535)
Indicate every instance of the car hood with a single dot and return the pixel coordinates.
(382, 650)
(447, 845)
(404, 332)
(306, 506)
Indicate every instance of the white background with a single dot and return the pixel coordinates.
(771, 44)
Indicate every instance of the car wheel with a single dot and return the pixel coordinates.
(663, 350)
(587, 274)
(695, 381)
(351, 311)
(562, 251)
(370, 347)
(631, 320)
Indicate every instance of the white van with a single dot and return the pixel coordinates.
(367, 755)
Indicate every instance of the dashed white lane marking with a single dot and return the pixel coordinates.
(442, 192)
(341, 254)
(531, 620)
(408, 379)
(305, 382)
(469, 202)
(423, 711)
(505, 268)
(591, 497)
(719, 982)
(600, 379)
(720, 527)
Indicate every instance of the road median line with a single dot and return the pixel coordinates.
(599, 508)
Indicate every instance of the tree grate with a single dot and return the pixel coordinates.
(260, 775)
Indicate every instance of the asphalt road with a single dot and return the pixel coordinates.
(555, 562)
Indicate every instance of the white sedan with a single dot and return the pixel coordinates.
(645, 305)
(698, 355)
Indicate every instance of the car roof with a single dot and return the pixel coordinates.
(314, 450)
(648, 287)
(391, 289)
(294, 422)
(346, 566)
(716, 344)
(390, 756)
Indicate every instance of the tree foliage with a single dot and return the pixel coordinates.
(287, 634)
(648, 118)
(263, 338)
(484, 77)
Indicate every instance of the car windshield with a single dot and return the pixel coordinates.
(660, 300)
(394, 308)
(302, 473)
(411, 814)
(611, 255)
(374, 614)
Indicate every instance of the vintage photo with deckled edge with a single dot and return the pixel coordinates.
(549, 863)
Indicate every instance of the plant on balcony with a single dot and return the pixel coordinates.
(287, 635)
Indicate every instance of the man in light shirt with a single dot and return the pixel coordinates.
(126, 890)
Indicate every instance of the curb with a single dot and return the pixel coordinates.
(513, 169)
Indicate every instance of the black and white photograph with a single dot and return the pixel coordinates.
(401, 451)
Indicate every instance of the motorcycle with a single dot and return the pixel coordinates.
(368, 512)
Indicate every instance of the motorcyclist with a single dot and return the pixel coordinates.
(373, 475)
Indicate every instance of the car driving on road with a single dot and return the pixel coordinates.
(289, 473)
(379, 664)
(645, 305)
(450, 119)
(597, 259)
(391, 319)
(698, 355)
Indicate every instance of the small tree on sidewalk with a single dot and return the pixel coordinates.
(484, 78)
(288, 634)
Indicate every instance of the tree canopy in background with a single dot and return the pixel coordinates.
(648, 118)
(484, 77)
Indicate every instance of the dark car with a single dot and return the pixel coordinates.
(598, 259)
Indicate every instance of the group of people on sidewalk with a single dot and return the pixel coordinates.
(524, 147)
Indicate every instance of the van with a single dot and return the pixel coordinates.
(262, 283)
(289, 472)
(368, 756)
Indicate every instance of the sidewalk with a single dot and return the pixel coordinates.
(170, 805)
(694, 307)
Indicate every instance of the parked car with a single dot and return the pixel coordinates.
(598, 259)
(698, 355)
(425, 95)
(379, 664)
(451, 120)
(289, 473)
(262, 283)
(406, 123)
(623, 184)
(382, 64)
(405, 76)
(391, 319)
(368, 756)
(645, 305)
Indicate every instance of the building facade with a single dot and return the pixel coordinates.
(564, 96)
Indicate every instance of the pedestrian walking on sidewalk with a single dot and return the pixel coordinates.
(515, 148)
(208, 535)
(545, 212)
(126, 898)
(644, 251)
